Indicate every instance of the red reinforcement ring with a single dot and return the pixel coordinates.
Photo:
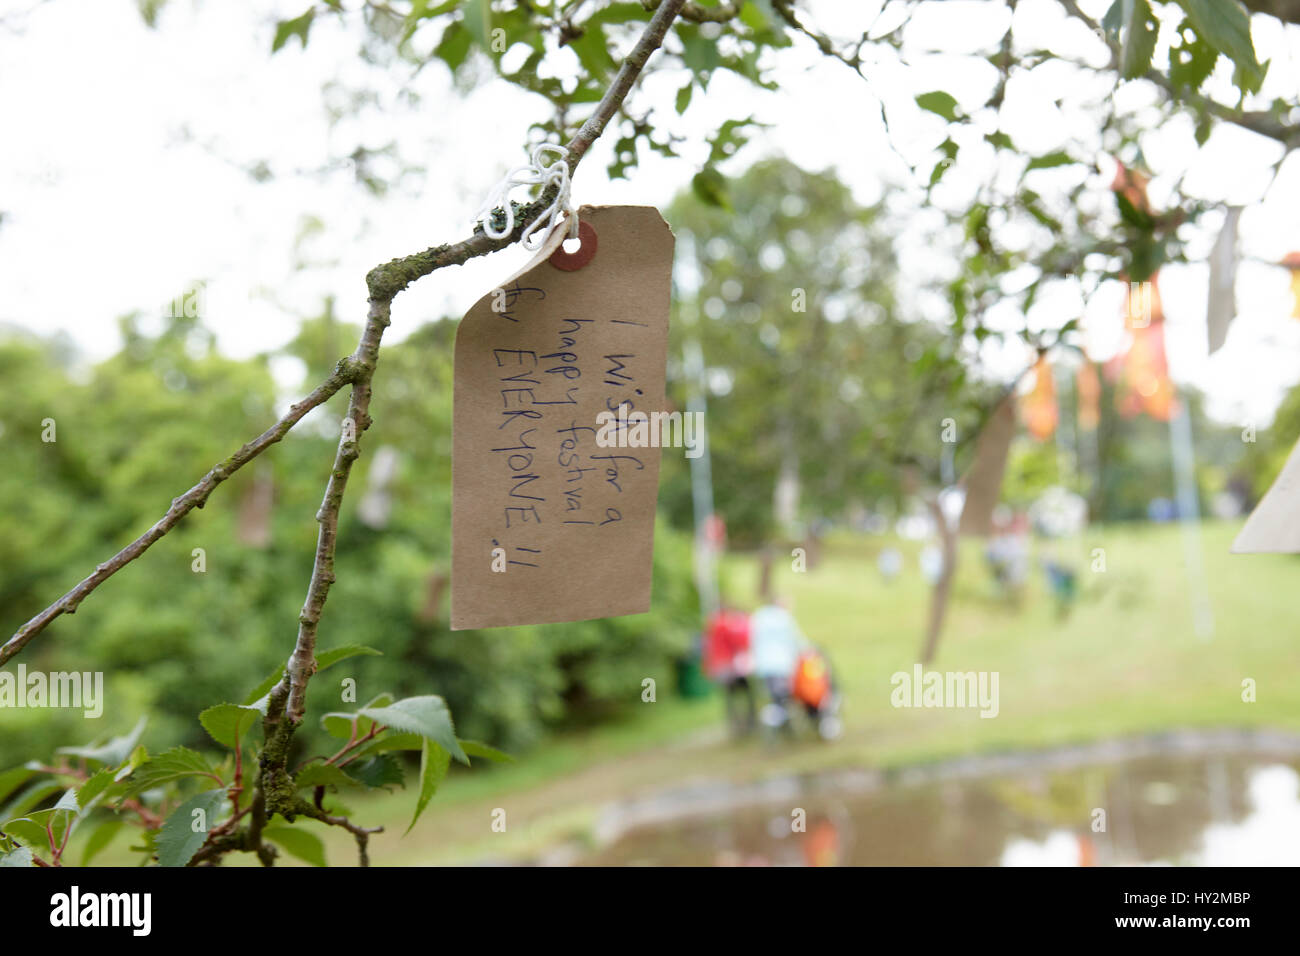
(573, 261)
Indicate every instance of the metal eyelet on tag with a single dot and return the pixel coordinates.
(573, 261)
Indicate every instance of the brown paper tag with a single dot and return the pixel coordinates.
(547, 524)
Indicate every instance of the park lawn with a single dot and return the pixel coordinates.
(1126, 661)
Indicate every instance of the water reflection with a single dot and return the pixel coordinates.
(1212, 801)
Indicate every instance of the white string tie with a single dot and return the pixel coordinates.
(537, 173)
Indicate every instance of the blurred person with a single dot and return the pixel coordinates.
(890, 563)
(727, 661)
(775, 642)
(931, 559)
(813, 686)
(1062, 582)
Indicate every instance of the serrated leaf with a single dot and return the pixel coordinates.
(100, 838)
(174, 764)
(19, 857)
(298, 842)
(1191, 61)
(259, 693)
(434, 761)
(91, 790)
(1138, 44)
(322, 775)
(389, 742)
(298, 27)
(940, 103)
(476, 749)
(30, 796)
(27, 831)
(338, 654)
(1225, 25)
(427, 716)
(111, 753)
(228, 723)
(376, 772)
(177, 840)
(68, 802)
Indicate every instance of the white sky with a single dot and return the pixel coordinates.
(121, 148)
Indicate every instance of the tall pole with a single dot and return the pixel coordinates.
(1189, 517)
(687, 280)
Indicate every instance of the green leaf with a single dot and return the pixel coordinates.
(227, 723)
(699, 53)
(683, 98)
(174, 764)
(375, 772)
(30, 796)
(390, 741)
(322, 775)
(476, 749)
(434, 761)
(1225, 25)
(1138, 43)
(93, 788)
(257, 698)
(331, 657)
(593, 52)
(1050, 160)
(478, 20)
(1191, 61)
(454, 46)
(19, 857)
(427, 716)
(941, 103)
(100, 838)
(178, 841)
(298, 842)
(28, 831)
(297, 27)
(711, 187)
(111, 753)
(10, 779)
(1000, 140)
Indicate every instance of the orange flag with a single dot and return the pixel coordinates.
(1039, 406)
(1292, 261)
(1089, 387)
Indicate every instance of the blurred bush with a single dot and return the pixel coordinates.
(140, 428)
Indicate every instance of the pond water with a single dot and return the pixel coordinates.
(1195, 798)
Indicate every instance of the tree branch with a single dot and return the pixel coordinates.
(196, 497)
(384, 283)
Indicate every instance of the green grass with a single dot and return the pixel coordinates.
(1125, 662)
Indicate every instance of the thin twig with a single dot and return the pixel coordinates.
(385, 282)
(180, 507)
